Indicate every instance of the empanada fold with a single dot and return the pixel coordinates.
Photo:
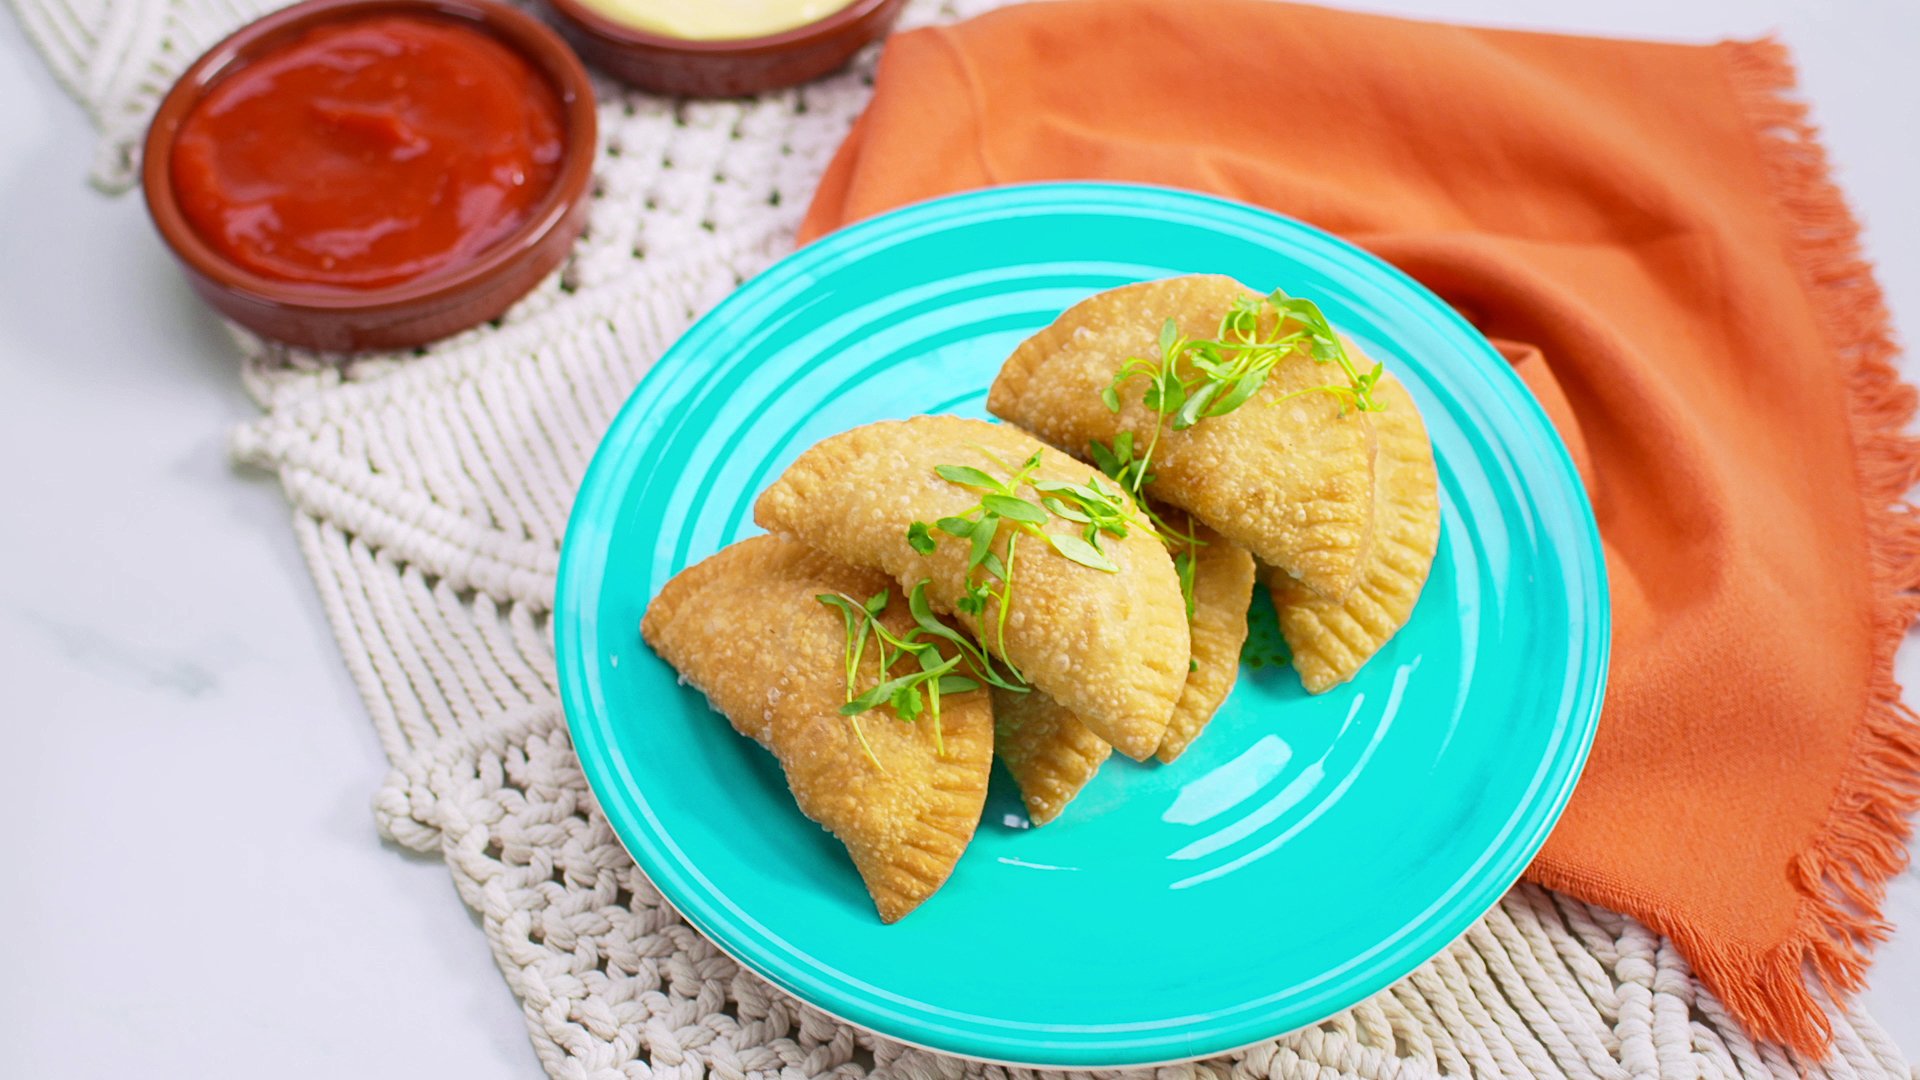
(1330, 638)
(1223, 583)
(1049, 751)
(1287, 475)
(745, 627)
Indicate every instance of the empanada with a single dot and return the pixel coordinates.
(745, 628)
(1290, 480)
(1050, 753)
(1222, 589)
(1110, 646)
(1331, 639)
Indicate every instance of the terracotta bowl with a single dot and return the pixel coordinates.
(412, 312)
(727, 68)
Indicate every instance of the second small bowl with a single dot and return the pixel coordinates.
(730, 67)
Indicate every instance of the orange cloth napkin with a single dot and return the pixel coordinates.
(1649, 234)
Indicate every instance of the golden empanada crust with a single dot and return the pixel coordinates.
(1291, 480)
(1222, 589)
(745, 628)
(1112, 647)
(1331, 639)
(1050, 753)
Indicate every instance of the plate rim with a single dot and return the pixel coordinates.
(1586, 566)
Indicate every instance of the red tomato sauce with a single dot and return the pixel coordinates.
(370, 152)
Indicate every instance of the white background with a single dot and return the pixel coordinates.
(192, 884)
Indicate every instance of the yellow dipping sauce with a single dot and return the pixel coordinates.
(715, 20)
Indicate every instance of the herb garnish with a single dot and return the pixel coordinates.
(903, 693)
(1118, 462)
(1092, 505)
(1195, 378)
(1183, 565)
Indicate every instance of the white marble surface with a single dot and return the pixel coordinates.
(194, 887)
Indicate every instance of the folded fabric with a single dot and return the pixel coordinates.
(1649, 234)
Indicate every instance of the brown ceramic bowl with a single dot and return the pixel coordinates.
(724, 68)
(412, 312)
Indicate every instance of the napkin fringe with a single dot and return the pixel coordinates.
(1842, 876)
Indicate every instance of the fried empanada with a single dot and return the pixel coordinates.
(1050, 753)
(1222, 589)
(1291, 480)
(745, 628)
(1110, 646)
(1331, 639)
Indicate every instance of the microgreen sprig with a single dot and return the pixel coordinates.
(1324, 346)
(1118, 462)
(1098, 510)
(1184, 563)
(901, 693)
(1196, 378)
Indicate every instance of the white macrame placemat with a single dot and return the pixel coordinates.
(430, 492)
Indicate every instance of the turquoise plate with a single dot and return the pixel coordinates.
(1305, 853)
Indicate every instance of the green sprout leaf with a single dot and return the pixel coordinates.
(1081, 552)
(1183, 565)
(1238, 395)
(966, 476)
(1105, 458)
(1060, 509)
(882, 694)
(983, 534)
(920, 539)
(1014, 508)
(1195, 405)
(1165, 395)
